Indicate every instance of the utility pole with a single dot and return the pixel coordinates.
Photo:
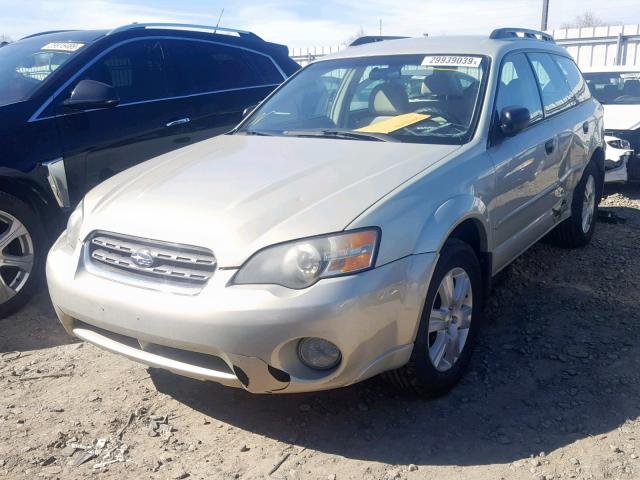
(545, 15)
(380, 27)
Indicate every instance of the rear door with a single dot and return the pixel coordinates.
(569, 121)
(583, 118)
(218, 81)
(98, 143)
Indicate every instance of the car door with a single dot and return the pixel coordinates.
(582, 120)
(97, 143)
(219, 81)
(526, 165)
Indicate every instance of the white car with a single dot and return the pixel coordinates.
(618, 89)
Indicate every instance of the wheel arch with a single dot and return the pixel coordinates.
(30, 192)
(465, 218)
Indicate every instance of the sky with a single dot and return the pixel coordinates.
(303, 23)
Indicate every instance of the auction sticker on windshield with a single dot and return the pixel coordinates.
(63, 46)
(451, 61)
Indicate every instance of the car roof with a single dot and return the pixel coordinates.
(458, 45)
(230, 36)
(612, 68)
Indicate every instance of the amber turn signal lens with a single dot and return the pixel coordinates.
(353, 252)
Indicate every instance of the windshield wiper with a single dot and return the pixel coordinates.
(254, 132)
(345, 134)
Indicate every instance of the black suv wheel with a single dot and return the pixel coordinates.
(21, 253)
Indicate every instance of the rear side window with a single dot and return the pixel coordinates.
(265, 68)
(202, 67)
(518, 87)
(556, 95)
(574, 78)
(136, 70)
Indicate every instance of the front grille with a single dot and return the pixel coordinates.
(152, 262)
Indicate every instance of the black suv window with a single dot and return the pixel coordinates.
(556, 94)
(574, 78)
(267, 71)
(201, 67)
(518, 87)
(136, 70)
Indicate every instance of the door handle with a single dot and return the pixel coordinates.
(549, 146)
(585, 127)
(181, 121)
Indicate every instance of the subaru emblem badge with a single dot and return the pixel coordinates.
(142, 258)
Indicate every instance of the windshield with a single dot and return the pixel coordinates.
(25, 65)
(615, 87)
(407, 98)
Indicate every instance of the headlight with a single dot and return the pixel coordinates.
(619, 143)
(301, 263)
(74, 224)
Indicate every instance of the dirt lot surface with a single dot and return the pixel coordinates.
(553, 392)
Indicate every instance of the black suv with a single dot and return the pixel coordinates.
(79, 106)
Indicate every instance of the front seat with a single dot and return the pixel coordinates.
(387, 100)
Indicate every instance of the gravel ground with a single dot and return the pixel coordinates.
(553, 392)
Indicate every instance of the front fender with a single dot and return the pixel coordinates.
(447, 217)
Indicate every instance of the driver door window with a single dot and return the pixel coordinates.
(136, 71)
(518, 87)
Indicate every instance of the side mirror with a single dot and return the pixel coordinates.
(513, 120)
(90, 94)
(249, 109)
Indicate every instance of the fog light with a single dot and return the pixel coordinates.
(318, 353)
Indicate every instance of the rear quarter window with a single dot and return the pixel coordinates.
(264, 67)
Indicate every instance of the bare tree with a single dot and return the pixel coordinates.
(587, 19)
(358, 33)
(4, 38)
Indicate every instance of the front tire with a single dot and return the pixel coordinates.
(577, 230)
(448, 328)
(21, 253)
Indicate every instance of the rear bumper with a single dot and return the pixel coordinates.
(251, 331)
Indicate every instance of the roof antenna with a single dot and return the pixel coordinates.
(219, 18)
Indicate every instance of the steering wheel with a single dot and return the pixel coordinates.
(435, 111)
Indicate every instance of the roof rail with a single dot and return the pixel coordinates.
(372, 39)
(185, 26)
(506, 33)
(46, 33)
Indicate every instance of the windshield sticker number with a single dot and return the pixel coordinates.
(63, 46)
(451, 61)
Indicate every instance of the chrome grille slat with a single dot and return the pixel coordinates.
(185, 267)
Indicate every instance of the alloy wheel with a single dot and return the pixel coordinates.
(450, 319)
(16, 256)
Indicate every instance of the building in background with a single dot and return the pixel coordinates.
(589, 46)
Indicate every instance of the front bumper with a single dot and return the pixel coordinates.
(616, 165)
(246, 336)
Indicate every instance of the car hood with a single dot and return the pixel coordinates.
(236, 194)
(621, 117)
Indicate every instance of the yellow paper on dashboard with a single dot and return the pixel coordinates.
(394, 123)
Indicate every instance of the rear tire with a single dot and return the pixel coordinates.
(22, 252)
(577, 230)
(448, 328)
